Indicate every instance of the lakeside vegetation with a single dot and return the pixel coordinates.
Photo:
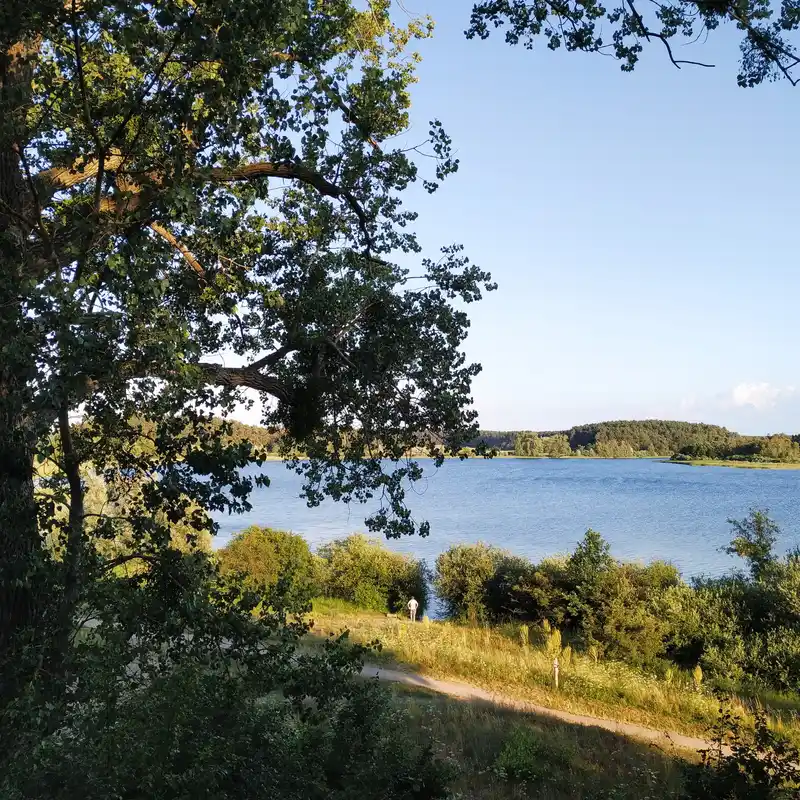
(719, 462)
(599, 618)
(635, 641)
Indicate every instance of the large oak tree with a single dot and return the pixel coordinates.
(199, 197)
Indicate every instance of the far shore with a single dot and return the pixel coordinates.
(717, 462)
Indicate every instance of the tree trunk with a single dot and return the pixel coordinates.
(21, 556)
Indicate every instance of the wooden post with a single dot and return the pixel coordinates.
(555, 671)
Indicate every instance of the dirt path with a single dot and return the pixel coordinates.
(466, 691)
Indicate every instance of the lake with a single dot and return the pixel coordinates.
(645, 508)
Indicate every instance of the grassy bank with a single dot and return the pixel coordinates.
(505, 755)
(719, 462)
(494, 659)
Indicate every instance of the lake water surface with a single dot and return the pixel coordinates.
(645, 508)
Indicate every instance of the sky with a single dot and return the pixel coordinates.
(642, 228)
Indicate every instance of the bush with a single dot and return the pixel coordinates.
(195, 734)
(276, 563)
(742, 629)
(462, 575)
(361, 571)
(760, 766)
(527, 756)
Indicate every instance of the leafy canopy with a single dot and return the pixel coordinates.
(199, 197)
(768, 30)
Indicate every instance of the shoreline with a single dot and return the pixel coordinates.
(718, 462)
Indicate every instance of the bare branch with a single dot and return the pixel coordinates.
(648, 33)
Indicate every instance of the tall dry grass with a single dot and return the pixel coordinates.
(496, 659)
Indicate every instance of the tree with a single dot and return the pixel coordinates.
(462, 574)
(768, 29)
(754, 540)
(182, 179)
(273, 561)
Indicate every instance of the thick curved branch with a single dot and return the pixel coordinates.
(246, 377)
(187, 254)
(56, 179)
(291, 171)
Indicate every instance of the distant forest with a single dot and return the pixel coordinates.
(681, 441)
(648, 438)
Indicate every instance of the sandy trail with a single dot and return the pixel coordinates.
(466, 691)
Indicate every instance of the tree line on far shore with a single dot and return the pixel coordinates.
(682, 441)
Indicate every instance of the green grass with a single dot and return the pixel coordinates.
(495, 660)
(719, 462)
(558, 761)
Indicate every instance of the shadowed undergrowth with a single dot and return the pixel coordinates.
(499, 753)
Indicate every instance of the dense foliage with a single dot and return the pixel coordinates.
(356, 569)
(768, 30)
(497, 440)
(743, 629)
(197, 198)
(363, 572)
(655, 437)
(304, 730)
(778, 449)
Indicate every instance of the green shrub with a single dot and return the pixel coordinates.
(361, 571)
(194, 734)
(759, 766)
(773, 659)
(276, 563)
(527, 756)
(462, 575)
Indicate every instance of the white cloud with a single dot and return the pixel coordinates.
(759, 395)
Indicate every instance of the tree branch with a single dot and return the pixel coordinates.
(247, 377)
(271, 359)
(58, 178)
(187, 254)
(291, 171)
(55, 179)
(648, 33)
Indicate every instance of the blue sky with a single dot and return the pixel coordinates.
(641, 227)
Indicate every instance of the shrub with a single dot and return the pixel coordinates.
(363, 572)
(527, 756)
(194, 734)
(760, 766)
(277, 563)
(462, 575)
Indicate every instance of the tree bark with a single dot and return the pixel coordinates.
(20, 547)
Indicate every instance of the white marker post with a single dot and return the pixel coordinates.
(555, 671)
